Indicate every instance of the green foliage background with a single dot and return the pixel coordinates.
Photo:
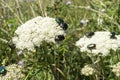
(65, 61)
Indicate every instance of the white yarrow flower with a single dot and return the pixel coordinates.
(100, 21)
(13, 73)
(35, 31)
(103, 10)
(116, 69)
(99, 42)
(84, 21)
(87, 70)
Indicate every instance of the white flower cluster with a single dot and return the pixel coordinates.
(13, 73)
(87, 70)
(116, 69)
(35, 31)
(84, 22)
(99, 42)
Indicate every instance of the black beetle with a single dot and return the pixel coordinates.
(59, 38)
(2, 70)
(62, 24)
(91, 46)
(59, 20)
(113, 35)
(90, 34)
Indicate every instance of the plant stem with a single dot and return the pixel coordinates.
(3, 40)
(53, 71)
(93, 10)
(5, 4)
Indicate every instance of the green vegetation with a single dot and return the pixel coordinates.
(65, 61)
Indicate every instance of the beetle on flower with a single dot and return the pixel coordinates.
(39, 29)
(99, 42)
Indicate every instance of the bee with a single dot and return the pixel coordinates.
(91, 46)
(62, 24)
(2, 70)
(113, 35)
(59, 38)
(90, 34)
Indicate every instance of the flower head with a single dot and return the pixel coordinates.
(68, 2)
(99, 42)
(103, 10)
(84, 22)
(116, 69)
(100, 21)
(35, 31)
(87, 70)
(19, 52)
(21, 62)
(13, 73)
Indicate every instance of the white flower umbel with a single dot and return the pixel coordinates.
(87, 70)
(84, 21)
(35, 31)
(116, 69)
(99, 42)
(13, 72)
(100, 21)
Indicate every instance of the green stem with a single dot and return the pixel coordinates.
(102, 14)
(53, 71)
(27, 75)
(3, 40)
